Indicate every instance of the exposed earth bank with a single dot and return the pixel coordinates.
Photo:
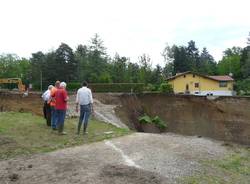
(223, 118)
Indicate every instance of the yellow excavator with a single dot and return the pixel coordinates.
(17, 81)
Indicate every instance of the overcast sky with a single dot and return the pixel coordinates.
(129, 27)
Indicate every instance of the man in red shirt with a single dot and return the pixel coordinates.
(61, 98)
(52, 103)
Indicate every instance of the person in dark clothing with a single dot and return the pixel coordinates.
(46, 105)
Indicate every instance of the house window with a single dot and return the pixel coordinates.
(196, 85)
(193, 75)
(222, 84)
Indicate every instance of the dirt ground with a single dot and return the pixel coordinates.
(135, 159)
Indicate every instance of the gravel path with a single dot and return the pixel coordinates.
(138, 158)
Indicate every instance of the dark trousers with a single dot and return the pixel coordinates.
(47, 113)
(60, 114)
(85, 111)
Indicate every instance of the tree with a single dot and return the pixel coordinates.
(156, 76)
(181, 61)
(132, 74)
(119, 69)
(207, 63)
(193, 56)
(38, 67)
(145, 68)
(230, 63)
(168, 70)
(66, 65)
(245, 60)
(97, 58)
(81, 57)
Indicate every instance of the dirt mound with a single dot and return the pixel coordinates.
(130, 175)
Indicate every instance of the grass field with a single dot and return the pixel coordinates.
(233, 169)
(25, 133)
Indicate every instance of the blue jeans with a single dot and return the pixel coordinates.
(53, 117)
(85, 111)
(60, 119)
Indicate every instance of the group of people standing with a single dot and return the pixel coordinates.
(55, 106)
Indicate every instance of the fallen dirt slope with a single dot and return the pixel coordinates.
(103, 112)
(134, 159)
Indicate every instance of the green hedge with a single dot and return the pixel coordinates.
(73, 86)
(243, 87)
(109, 87)
(166, 88)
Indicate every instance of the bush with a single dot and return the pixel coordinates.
(117, 87)
(73, 85)
(109, 87)
(166, 88)
(151, 87)
(159, 123)
(156, 120)
(145, 119)
(243, 87)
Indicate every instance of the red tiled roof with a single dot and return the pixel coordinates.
(222, 78)
(217, 77)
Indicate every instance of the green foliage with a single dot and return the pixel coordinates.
(108, 87)
(159, 122)
(116, 87)
(166, 88)
(156, 120)
(230, 63)
(92, 63)
(73, 86)
(243, 87)
(145, 119)
(151, 87)
(11, 66)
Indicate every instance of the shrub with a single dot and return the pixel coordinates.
(117, 87)
(159, 122)
(243, 87)
(109, 87)
(166, 88)
(73, 85)
(145, 119)
(156, 120)
(151, 87)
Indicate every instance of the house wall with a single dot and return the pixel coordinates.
(205, 85)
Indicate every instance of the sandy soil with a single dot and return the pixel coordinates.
(137, 159)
